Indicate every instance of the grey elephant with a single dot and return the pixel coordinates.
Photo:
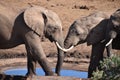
(112, 36)
(110, 40)
(27, 27)
(85, 29)
(90, 29)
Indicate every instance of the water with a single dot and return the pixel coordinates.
(40, 72)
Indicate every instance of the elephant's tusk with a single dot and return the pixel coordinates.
(102, 41)
(109, 42)
(63, 49)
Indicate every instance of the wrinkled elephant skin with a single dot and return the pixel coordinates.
(85, 29)
(90, 29)
(113, 32)
(27, 27)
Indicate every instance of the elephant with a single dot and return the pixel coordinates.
(27, 26)
(110, 40)
(112, 36)
(83, 30)
(90, 29)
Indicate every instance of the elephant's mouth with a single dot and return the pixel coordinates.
(51, 38)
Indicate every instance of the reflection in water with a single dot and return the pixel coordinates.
(39, 71)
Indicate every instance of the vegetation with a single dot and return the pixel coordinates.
(110, 69)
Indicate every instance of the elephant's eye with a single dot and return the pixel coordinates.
(117, 27)
(52, 29)
(77, 33)
(55, 29)
(72, 31)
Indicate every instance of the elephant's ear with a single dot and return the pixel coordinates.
(34, 19)
(97, 34)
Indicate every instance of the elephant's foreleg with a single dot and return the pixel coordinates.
(34, 43)
(31, 63)
(96, 56)
(42, 60)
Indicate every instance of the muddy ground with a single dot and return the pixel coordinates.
(68, 11)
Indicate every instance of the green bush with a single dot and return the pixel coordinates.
(110, 69)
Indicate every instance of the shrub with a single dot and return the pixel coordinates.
(110, 69)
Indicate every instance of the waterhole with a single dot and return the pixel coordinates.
(40, 72)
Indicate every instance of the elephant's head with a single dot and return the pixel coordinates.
(113, 27)
(115, 18)
(86, 29)
(47, 23)
(76, 35)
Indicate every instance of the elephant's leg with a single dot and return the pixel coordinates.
(96, 56)
(42, 60)
(34, 43)
(31, 63)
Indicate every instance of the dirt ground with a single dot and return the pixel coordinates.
(68, 11)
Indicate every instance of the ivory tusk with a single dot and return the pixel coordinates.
(63, 49)
(109, 42)
(102, 41)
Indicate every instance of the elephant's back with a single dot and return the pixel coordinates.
(91, 20)
(10, 12)
(7, 23)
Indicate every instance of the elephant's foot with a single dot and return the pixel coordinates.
(46, 67)
(30, 74)
(33, 77)
(51, 74)
(58, 73)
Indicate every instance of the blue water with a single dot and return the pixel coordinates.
(40, 72)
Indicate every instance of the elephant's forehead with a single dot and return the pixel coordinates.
(116, 14)
(55, 20)
(88, 23)
(115, 17)
(81, 30)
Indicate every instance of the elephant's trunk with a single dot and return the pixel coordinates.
(60, 57)
(68, 43)
(60, 47)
